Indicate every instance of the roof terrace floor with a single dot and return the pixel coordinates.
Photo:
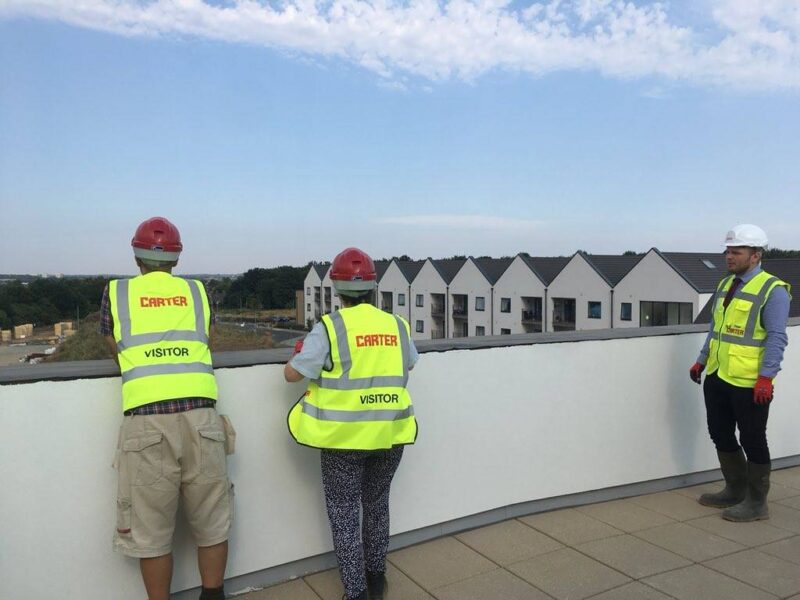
(650, 547)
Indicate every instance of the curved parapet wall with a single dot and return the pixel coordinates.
(503, 421)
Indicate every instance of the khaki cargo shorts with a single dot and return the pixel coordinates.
(164, 458)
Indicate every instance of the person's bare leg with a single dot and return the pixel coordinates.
(157, 576)
(211, 561)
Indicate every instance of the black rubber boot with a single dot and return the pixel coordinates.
(377, 585)
(734, 470)
(754, 506)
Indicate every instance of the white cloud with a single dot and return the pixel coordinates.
(480, 222)
(757, 42)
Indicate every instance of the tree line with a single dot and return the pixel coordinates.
(44, 301)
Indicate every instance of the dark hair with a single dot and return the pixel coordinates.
(365, 298)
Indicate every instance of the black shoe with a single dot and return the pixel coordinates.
(376, 584)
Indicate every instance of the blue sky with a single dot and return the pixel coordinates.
(277, 135)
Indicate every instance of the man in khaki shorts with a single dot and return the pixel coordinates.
(172, 442)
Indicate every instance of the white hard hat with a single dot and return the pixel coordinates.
(746, 235)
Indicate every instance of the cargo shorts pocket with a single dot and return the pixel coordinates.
(212, 452)
(123, 517)
(144, 458)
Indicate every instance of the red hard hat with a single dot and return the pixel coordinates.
(157, 239)
(353, 272)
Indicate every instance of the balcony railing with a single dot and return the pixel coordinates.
(437, 310)
(531, 317)
(459, 312)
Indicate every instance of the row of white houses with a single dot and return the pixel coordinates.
(525, 294)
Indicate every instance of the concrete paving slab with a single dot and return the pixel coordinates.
(509, 542)
(793, 502)
(291, 590)
(568, 575)
(690, 542)
(695, 491)
(674, 505)
(440, 562)
(328, 585)
(780, 492)
(625, 515)
(788, 549)
(633, 556)
(495, 584)
(766, 572)
(701, 583)
(632, 591)
(747, 534)
(784, 517)
(570, 526)
(789, 477)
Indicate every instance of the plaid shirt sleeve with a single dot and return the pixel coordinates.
(106, 320)
(212, 317)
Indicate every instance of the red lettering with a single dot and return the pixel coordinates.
(359, 341)
(154, 302)
(376, 339)
(392, 340)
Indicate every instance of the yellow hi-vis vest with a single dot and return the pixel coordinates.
(362, 402)
(161, 328)
(737, 346)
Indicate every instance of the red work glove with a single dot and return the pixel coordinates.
(762, 392)
(694, 372)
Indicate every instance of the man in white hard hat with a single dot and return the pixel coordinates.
(742, 355)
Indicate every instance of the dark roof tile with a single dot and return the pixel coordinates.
(493, 268)
(546, 267)
(613, 267)
(702, 270)
(449, 267)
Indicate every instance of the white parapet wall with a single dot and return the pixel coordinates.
(498, 426)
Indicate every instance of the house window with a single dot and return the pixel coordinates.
(308, 291)
(308, 308)
(480, 329)
(505, 332)
(401, 299)
(625, 310)
(420, 300)
(655, 314)
(595, 310)
(420, 326)
(505, 305)
(480, 303)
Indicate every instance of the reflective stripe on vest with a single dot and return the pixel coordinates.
(348, 407)
(737, 345)
(168, 356)
(345, 382)
(128, 340)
